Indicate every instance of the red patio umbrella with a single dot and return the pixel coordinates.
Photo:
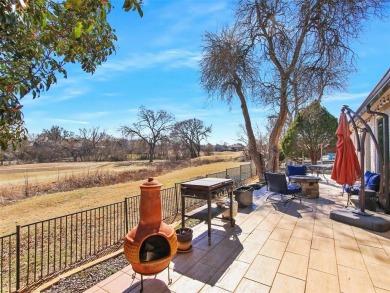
(346, 168)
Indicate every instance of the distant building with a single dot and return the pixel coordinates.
(231, 148)
(238, 147)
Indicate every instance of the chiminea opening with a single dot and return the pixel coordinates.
(154, 248)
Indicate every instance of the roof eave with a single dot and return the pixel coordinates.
(382, 86)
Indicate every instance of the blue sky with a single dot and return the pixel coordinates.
(156, 65)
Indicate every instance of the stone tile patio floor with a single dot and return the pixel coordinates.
(274, 248)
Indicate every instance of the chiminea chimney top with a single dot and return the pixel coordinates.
(150, 183)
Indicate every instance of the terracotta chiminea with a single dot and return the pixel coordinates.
(151, 245)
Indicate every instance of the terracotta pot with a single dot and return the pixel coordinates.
(184, 238)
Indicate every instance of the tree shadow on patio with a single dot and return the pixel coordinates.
(293, 208)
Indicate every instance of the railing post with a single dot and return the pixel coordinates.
(17, 258)
(126, 216)
(177, 198)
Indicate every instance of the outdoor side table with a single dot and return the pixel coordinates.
(320, 170)
(309, 185)
(206, 189)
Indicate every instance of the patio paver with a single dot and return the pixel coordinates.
(274, 248)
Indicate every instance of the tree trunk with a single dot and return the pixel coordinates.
(314, 155)
(151, 153)
(273, 151)
(256, 156)
(197, 148)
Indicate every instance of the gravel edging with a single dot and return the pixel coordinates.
(85, 279)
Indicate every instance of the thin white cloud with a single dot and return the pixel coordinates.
(346, 97)
(131, 110)
(91, 115)
(192, 15)
(67, 121)
(70, 94)
(175, 58)
(198, 9)
(65, 89)
(111, 94)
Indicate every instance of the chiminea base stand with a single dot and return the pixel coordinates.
(142, 277)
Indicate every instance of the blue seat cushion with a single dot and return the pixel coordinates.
(367, 176)
(293, 189)
(373, 182)
(354, 189)
(296, 170)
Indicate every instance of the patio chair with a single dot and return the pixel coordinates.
(296, 170)
(371, 182)
(277, 183)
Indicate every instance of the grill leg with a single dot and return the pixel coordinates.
(142, 284)
(209, 218)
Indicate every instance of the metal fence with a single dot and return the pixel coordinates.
(41, 250)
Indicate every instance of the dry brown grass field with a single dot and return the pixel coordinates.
(48, 172)
(47, 206)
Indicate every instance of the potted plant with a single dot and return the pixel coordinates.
(184, 239)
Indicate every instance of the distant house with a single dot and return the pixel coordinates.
(238, 147)
(231, 148)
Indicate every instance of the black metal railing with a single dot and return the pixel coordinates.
(41, 250)
(51, 246)
(8, 263)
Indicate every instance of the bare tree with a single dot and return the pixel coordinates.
(229, 69)
(57, 133)
(110, 149)
(137, 149)
(208, 149)
(261, 139)
(191, 132)
(289, 35)
(163, 148)
(89, 141)
(151, 127)
(310, 83)
(51, 145)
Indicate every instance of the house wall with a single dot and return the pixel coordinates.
(371, 156)
(378, 101)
